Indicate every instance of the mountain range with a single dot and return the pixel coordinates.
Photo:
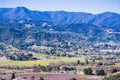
(58, 31)
(108, 19)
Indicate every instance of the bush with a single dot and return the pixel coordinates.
(88, 71)
(100, 72)
(113, 70)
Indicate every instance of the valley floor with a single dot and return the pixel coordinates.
(55, 76)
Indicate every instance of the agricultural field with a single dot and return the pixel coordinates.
(28, 76)
(43, 62)
(62, 62)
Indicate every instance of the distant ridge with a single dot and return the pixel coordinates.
(109, 19)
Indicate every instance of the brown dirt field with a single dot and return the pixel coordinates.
(27, 76)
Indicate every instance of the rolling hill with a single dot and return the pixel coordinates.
(54, 32)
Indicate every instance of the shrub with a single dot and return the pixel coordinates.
(100, 72)
(113, 70)
(88, 71)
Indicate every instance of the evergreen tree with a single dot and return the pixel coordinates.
(90, 72)
(78, 62)
(13, 76)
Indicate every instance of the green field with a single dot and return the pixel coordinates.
(44, 60)
(38, 54)
(41, 62)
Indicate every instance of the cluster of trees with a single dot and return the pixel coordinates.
(102, 72)
(20, 56)
(89, 71)
(40, 68)
(53, 67)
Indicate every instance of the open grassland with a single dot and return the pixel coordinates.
(38, 54)
(43, 62)
(25, 63)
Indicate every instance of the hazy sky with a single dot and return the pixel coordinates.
(91, 6)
